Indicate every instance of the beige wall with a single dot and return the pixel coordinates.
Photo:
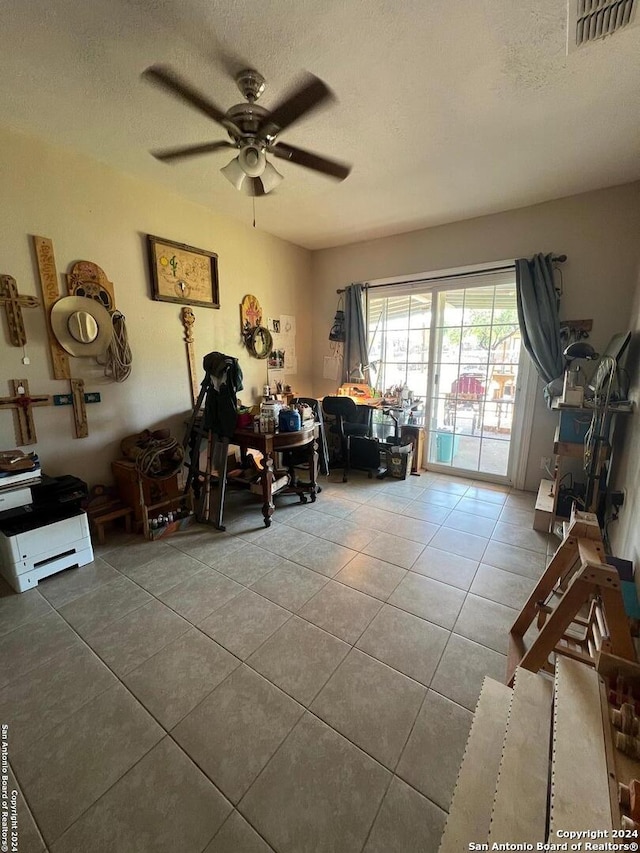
(598, 231)
(625, 533)
(93, 213)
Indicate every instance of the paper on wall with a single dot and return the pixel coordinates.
(284, 345)
(275, 376)
(332, 367)
(288, 324)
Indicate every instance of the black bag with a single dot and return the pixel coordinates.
(338, 331)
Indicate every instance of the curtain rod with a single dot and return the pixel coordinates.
(560, 259)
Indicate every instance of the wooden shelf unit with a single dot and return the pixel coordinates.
(546, 511)
(573, 449)
(144, 493)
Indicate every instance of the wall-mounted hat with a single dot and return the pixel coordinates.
(82, 326)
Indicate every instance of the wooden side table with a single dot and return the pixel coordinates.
(268, 444)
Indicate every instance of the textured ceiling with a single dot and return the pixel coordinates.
(447, 109)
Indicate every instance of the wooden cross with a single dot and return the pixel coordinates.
(77, 398)
(13, 304)
(188, 320)
(22, 402)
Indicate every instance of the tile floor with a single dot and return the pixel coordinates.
(304, 688)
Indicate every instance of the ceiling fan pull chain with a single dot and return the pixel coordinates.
(254, 210)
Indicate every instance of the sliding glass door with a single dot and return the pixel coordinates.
(455, 346)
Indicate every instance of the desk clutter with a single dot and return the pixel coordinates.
(275, 440)
(356, 446)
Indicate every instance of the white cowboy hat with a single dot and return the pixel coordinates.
(82, 326)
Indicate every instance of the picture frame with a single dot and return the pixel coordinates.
(183, 274)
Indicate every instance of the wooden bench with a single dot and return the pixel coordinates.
(122, 511)
(102, 510)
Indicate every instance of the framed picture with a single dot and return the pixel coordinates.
(183, 274)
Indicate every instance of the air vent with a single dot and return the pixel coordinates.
(594, 19)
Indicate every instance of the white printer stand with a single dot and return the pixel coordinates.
(32, 548)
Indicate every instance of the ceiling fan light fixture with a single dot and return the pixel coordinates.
(248, 184)
(270, 178)
(252, 160)
(234, 174)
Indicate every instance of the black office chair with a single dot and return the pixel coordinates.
(348, 424)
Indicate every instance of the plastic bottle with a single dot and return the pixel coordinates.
(289, 420)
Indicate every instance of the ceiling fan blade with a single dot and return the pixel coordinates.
(311, 160)
(304, 99)
(163, 76)
(166, 155)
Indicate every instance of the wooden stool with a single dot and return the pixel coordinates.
(120, 511)
(104, 507)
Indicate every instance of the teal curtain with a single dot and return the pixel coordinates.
(538, 304)
(355, 345)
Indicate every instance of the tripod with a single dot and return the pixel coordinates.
(217, 457)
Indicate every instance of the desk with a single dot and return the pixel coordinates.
(269, 444)
(378, 404)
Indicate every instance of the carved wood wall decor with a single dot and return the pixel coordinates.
(13, 304)
(85, 279)
(22, 403)
(250, 312)
(50, 295)
(188, 321)
(89, 280)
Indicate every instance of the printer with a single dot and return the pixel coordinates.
(43, 530)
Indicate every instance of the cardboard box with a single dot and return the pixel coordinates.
(399, 461)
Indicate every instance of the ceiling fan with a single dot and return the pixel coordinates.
(253, 130)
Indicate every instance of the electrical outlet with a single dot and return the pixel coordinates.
(545, 463)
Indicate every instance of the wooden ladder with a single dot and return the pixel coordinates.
(576, 580)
